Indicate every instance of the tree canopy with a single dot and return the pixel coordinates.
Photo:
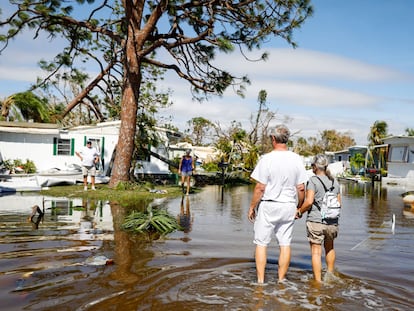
(330, 140)
(126, 38)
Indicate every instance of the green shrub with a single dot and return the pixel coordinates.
(210, 167)
(28, 167)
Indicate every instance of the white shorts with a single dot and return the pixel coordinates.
(274, 218)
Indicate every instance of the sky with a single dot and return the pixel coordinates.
(354, 64)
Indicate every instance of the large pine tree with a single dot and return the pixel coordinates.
(122, 37)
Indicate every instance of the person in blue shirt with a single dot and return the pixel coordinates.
(186, 169)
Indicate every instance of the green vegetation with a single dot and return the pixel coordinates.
(127, 197)
(18, 166)
(152, 220)
(357, 162)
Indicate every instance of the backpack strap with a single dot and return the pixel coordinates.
(332, 187)
(324, 187)
(315, 202)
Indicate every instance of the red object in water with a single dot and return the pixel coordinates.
(372, 171)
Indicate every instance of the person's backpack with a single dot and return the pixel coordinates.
(330, 206)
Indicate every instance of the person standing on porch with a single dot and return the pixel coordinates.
(186, 169)
(89, 157)
(280, 177)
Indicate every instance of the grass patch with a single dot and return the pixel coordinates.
(126, 195)
(154, 221)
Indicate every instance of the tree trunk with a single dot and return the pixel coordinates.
(125, 146)
(130, 95)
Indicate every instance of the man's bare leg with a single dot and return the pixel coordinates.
(284, 262)
(261, 258)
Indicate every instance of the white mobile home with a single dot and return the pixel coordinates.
(400, 162)
(52, 147)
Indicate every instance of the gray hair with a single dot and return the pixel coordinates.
(320, 161)
(281, 133)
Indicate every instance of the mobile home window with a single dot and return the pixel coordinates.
(398, 154)
(63, 146)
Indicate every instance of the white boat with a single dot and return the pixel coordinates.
(71, 175)
(58, 177)
(18, 183)
(44, 179)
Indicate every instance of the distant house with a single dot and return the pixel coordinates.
(400, 161)
(50, 146)
(340, 160)
(342, 156)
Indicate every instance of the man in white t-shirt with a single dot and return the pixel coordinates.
(280, 177)
(89, 157)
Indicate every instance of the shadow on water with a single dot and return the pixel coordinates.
(78, 258)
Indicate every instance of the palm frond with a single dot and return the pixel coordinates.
(152, 220)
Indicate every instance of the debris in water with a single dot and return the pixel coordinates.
(99, 261)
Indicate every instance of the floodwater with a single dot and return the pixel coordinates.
(77, 258)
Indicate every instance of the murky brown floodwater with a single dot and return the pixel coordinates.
(59, 266)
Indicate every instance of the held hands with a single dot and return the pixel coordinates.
(251, 215)
(298, 214)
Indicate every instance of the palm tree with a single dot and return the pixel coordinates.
(379, 130)
(25, 106)
(409, 131)
(6, 106)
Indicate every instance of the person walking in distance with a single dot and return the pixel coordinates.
(89, 157)
(280, 177)
(319, 229)
(186, 169)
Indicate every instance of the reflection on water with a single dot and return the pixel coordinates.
(37, 216)
(185, 219)
(78, 258)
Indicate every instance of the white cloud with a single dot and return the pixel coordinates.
(312, 94)
(302, 63)
(24, 74)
